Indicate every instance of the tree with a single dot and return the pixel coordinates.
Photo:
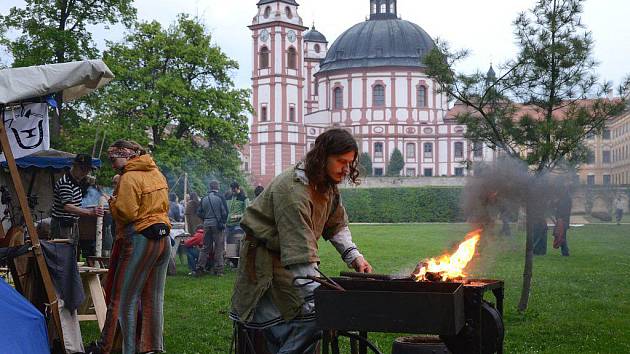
(57, 32)
(543, 105)
(396, 163)
(172, 92)
(365, 164)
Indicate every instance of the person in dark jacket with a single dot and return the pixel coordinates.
(214, 212)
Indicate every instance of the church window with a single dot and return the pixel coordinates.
(292, 58)
(422, 97)
(287, 10)
(263, 113)
(373, 7)
(292, 114)
(267, 12)
(392, 8)
(428, 150)
(317, 48)
(338, 98)
(378, 150)
(264, 58)
(459, 149)
(383, 7)
(378, 96)
(411, 150)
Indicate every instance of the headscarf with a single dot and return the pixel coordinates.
(121, 152)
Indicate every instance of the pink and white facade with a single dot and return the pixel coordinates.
(371, 81)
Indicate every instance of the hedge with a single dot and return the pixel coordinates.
(398, 205)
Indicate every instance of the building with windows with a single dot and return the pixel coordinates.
(609, 160)
(371, 81)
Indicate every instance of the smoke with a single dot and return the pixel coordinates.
(503, 192)
(91, 197)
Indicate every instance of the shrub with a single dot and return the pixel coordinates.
(399, 205)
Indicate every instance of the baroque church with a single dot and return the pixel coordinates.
(371, 81)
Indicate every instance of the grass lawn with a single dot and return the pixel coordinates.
(578, 304)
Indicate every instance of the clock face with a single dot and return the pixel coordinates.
(291, 36)
(264, 35)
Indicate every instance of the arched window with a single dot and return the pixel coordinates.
(338, 93)
(317, 48)
(422, 97)
(292, 58)
(383, 7)
(263, 113)
(264, 58)
(287, 10)
(267, 11)
(378, 96)
(392, 8)
(378, 150)
(477, 149)
(411, 150)
(292, 114)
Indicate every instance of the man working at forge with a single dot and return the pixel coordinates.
(282, 227)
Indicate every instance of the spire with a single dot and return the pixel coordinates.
(383, 9)
(491, 76)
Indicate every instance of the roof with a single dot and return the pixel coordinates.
(75, 79)
(379, 42)
(49, 159)
(314, 35)
(290, 2)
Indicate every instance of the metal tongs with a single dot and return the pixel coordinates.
(326, 281)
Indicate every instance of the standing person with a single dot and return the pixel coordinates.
(173, 208)
(213, 211)
(64, 224)
(282, 228)
(236, 207)
(619, 204)
(67, 198)
(140, 210)
(192, 220)
(563, 218)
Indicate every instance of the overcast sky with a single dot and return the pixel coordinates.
(483, 26)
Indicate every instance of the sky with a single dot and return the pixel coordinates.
(482, 26)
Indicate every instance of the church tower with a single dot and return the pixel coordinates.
(278, 136)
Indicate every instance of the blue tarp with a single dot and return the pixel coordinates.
(22, 326)
(47, 162)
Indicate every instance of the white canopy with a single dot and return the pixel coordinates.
(75, 79)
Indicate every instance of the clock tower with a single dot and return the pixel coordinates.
(278, 136)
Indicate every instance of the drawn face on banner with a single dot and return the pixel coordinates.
(27, 128)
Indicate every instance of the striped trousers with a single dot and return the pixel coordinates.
(138, 281)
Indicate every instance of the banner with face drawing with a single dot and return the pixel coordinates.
(27, 129)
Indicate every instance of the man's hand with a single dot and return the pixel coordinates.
(361, 265)
(98, 212)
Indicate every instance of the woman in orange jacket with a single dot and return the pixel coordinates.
(140, 209)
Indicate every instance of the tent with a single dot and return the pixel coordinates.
(74, 79)
(38, 83)
(22, 326)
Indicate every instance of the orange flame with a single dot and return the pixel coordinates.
(449, 267)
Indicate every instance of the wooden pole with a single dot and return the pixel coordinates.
(99, 229)
(51, 293)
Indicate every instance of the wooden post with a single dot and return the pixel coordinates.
(51, 293)
(99, 230)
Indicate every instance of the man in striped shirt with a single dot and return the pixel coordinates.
(68, 196)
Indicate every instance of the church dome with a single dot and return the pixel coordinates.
(379, 42)
(314, 35)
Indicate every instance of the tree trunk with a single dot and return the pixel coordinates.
(530, 211)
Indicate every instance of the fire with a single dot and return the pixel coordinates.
(449, 267)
